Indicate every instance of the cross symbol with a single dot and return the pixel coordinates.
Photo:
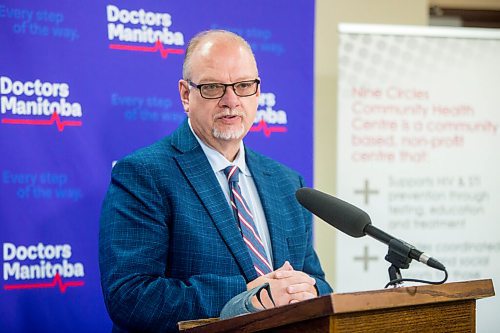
(366, 259)
(366, 191)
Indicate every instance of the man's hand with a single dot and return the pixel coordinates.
(287, 286)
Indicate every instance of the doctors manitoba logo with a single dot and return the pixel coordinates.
(269, 120)
(143, 31)
(40, 266)
(38, 103)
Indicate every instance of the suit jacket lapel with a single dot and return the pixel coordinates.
(268, 187)
(199, 174)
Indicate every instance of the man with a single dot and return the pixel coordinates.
(179, 235)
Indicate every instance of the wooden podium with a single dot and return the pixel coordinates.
(449, 307)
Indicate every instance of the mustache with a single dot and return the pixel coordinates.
(228, 112)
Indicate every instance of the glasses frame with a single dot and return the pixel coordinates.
(200, 86)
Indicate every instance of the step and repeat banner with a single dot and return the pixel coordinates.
(82, 84)
(419, 150)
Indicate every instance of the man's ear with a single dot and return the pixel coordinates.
(184, 94)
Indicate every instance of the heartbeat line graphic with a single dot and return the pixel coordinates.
(262, 126)
(53, 119)
(157, 47)
(57, 281)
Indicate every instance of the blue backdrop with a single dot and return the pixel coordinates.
(83, 83)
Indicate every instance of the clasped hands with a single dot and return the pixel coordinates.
(287, 286)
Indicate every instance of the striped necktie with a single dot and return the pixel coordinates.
(247, 226)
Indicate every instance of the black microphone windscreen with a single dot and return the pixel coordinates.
(338, 213)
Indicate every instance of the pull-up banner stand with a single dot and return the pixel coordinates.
(419, 150)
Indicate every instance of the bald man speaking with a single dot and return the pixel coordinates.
(197, 221)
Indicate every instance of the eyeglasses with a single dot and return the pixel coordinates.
(217, 90)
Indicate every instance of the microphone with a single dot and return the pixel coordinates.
(355, 222)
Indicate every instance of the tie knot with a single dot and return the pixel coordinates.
(232, 173)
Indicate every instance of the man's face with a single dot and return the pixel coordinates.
(226, 119)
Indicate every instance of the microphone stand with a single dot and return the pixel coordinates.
(399, 257)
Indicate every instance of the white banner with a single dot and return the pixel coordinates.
(419, 151)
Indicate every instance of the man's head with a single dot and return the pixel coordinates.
(219, 57)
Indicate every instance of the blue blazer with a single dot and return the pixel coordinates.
(169, 246)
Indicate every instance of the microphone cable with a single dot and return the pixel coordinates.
(401, 280)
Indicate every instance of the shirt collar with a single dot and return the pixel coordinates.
(219, 162)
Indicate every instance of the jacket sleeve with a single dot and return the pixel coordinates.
(133, 259)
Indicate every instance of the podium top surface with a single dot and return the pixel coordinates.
(334, 304)
(409, 296)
